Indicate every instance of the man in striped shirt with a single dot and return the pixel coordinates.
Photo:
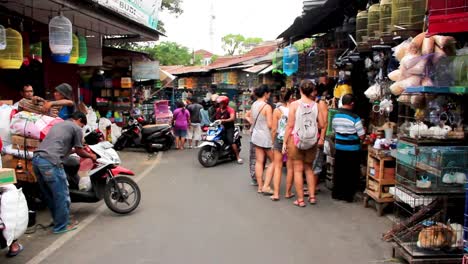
(348, 133)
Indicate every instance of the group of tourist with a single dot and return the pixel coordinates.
(293, 131)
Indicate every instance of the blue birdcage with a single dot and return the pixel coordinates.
(290, 60)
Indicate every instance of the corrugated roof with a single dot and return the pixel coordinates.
(260, 51)
(204, 53)
(177, 70)
(256, 68)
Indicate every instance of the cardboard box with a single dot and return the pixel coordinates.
(9, 161)
(19, 142)
(7, 176)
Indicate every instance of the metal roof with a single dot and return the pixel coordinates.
(256, 68)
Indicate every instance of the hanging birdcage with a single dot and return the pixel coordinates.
(60, 38)
(2, 38)
(277, 62)
(83, 50)
(74, 55)
(290, 60)
(385, 25)
(361, 27)
(12, 56)
(373, 22)
(408, 14)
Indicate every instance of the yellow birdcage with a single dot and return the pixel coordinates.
(361, 27)
(408, 14)
(75, 52)
(12, 56)
(373, 22)
(385, 25)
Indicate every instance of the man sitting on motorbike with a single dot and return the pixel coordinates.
(227, 116)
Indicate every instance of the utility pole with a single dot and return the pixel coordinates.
(212, 22)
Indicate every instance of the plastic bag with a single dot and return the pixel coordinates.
(374, 92)
(32, 125)
(395, 75)
(85, 184)
(413, 65)
(14, 213)
(444, 41)
(401, 50)
(428, 46)
(427, 82)
(116, 132)
(418, 40)
(5, 111)
(92, 118)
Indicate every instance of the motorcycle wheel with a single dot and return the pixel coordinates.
(121, 143)
(168, 144)
(208, 156)
(120, 190)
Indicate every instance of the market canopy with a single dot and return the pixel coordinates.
(317, 20)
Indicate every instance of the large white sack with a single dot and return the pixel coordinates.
(14, 214)
(5, 111)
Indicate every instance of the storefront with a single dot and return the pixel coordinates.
(407, 71)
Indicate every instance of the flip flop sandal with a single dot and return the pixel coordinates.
(274, 199)
(312, 200)
(290, 196)
(11, 254)
(299, 203)
(268, 192)
(67, 229)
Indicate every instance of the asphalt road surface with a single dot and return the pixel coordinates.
(190, 214)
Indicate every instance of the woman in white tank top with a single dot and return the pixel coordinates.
(261, 114)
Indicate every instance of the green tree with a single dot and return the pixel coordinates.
(238, 44)
(173, 7)
(303, 45)
(169, 53)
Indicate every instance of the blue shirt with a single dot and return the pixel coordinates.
(65, 112)
(348, 128)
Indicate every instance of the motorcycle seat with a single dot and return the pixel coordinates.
(150, 129)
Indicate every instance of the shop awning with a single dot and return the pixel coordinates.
(256, 68)
(317, 20)
(267, 70)
(235, 67)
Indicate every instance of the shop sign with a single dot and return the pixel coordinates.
(145, 70)
(144, 12)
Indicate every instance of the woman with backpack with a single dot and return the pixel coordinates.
(301, 138)
(261, 114)
(280, 121)
(181, 123)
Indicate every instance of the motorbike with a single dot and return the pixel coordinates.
(151, 137)
(108, 180)
(214, 149)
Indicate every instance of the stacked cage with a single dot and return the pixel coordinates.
(430, 178)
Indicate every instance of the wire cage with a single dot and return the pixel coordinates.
(408, 14)
(428, 226)
(373, 22)
(432, 117)
(431, 169)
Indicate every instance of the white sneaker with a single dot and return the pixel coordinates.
(240, 161)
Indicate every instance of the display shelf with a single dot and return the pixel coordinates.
(438, 89)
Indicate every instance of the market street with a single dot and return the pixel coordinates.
(190, 214)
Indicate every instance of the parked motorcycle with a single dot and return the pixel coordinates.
(108, 180)
(151, 137)
(214, 149)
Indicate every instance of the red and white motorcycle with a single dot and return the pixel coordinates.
(108, 180)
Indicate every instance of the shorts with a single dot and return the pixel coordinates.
(278, 145)
(229, 136)
(180, 132)
(307, 156)
(194, 132)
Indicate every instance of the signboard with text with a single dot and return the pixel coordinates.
(144, 12)
(145, 70)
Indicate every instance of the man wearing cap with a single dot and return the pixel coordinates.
(63, 106)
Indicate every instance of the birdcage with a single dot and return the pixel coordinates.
(60, 38)
(385, 24)
(75, 52)
(361, 27)
(12, 56)
(2, 38)
(373, 22)
(408, 14)
(331, 66)
(83, 50)
(290, 60)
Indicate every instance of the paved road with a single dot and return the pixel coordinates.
(190, 214)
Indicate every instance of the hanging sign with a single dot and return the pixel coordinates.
(145, 70)
(142, 11)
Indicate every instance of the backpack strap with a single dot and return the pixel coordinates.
(259, 113)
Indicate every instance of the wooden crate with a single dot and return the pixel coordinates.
(27, 174)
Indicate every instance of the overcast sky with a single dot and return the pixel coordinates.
(251, 18)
